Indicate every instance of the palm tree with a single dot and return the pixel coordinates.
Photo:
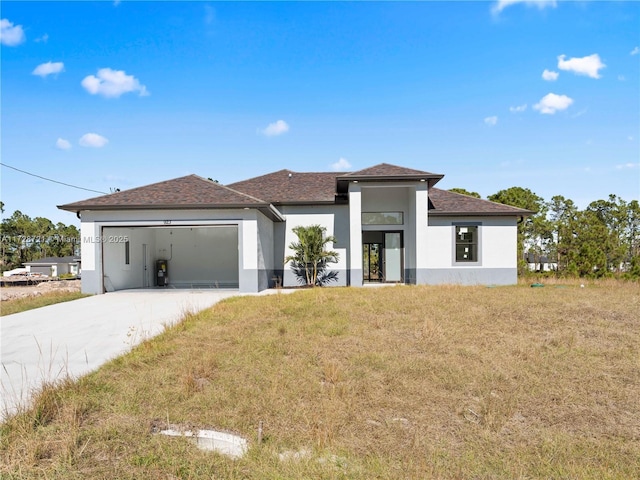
(310, 256)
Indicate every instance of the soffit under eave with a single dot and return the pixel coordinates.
(479, 214)
(342, 183)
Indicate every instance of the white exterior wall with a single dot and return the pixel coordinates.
(499, 237)
(335, 218)
(500, 243)
(497, 252)
(91, 255)
(421, 206)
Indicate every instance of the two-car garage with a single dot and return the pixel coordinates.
(184, 256)
(199, 233)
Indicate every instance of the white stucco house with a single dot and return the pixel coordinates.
(391, 225)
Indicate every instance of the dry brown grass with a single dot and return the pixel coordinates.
(9, 307)
(402, 382)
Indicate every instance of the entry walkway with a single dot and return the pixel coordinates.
(74, 338)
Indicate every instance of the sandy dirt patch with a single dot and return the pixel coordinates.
(13, 293)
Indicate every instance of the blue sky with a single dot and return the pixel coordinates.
(543, 95)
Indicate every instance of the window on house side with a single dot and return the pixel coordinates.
(466, 243)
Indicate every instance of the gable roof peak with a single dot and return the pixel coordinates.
(387, 169)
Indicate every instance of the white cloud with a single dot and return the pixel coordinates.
(49, 68)
(549, 75)
(63, 144)
(552, 103)
(627, 166)
(491, 121)
(92, 140)
(44, 38)
(10, 34)
(341, 165)
(275, 129)
(113, 83)
(588, 65)
(502, 4)
(622, 78)
(630, 138)
(518, 108)
(635, 51)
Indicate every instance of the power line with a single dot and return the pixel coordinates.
(50, 180)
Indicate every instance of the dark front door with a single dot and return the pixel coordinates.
(372, 262)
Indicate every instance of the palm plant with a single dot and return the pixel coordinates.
(310, 255)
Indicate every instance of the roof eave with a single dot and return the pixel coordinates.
(272, 213)
(390, 178)
(437, 213)
(265, 208)
(305, 203)
(215, 206)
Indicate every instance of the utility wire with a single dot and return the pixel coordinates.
(50, 180)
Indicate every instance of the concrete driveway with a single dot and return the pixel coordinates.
(76, 337)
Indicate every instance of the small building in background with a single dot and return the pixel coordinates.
(539, 263)
(54, 266)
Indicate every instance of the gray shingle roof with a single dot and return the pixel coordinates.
(445, 203)
(385, 172)
(191, 191)
(284, 187)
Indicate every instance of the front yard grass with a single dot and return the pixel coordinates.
(9, 307)
(359, 383)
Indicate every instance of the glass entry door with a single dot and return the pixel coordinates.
(382, 256)
(392, 257)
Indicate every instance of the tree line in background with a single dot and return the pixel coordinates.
(24, 239)
(603, 240)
